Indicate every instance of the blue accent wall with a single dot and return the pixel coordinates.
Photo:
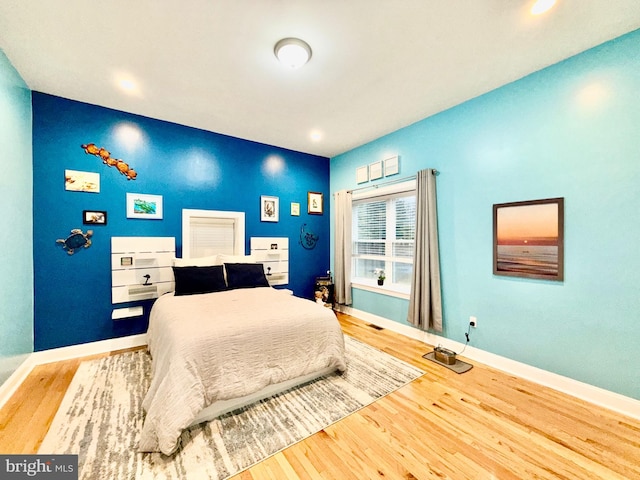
(16, 273)
(571, 130)
(190, 168)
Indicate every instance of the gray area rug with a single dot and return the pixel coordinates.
(101, 416)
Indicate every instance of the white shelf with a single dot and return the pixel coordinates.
(273, 253)
(141, 268)
(120, 313)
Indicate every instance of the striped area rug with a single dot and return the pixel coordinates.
(101, 416)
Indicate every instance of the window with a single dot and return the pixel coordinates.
(212, 232)
(383, 234)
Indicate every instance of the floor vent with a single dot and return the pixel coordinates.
(374, 326)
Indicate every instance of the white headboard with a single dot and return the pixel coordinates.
(273, 252)
(141, 267)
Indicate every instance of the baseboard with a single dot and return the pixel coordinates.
(86, 349)
(11, 384)
(599, 396)
(8, 388)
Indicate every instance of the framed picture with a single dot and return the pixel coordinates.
(94, 217)
(362, 174)
(269, 209)
(375, 170)
(77, 181)
(314, 203)
(528, 239)
(147, 207)
(295, 209)
(391, 166)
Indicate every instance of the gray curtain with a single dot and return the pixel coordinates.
(342, 248)
(425, 301)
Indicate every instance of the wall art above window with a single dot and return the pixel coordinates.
(375, 170)
(391, 166)
(528, 239)
(362, 174)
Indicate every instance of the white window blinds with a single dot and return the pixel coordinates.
(211, 236)
(383, 233)
(212, 232)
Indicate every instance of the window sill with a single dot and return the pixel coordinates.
(384, 290)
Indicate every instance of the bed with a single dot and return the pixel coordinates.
(216, 351)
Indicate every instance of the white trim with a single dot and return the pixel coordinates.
(11, 384)
(9, 387)
(619, 403)
(373, 191)
(381, 290)
(599, 396)
(239, 217)
(86, 349)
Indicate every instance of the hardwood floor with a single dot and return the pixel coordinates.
(483, 424)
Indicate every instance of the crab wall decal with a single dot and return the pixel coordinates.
(76, 240)
(103, 153)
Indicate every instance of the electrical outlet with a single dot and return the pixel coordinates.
(473, 321)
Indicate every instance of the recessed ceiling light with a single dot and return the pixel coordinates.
(126, 83)
(292, 52)
(541, 6)
(315, 135)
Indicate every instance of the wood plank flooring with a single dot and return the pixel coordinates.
(483, 424)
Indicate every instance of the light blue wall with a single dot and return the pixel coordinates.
(190, 168)
(573, 131)
(16, 271)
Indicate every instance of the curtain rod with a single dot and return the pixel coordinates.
(390, 182)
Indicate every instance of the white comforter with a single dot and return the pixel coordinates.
(224, 345)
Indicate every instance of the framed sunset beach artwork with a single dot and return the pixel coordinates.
(528, 239)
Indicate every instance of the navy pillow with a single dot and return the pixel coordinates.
(193, 280)
(245, 275)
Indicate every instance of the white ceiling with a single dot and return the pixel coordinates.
(377, 65)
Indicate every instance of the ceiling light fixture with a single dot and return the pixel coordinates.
(292, 52)
(315, 135)
(541, 6)
(126, 83)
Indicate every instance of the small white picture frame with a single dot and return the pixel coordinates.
(362, 174)
(391, 166)
(295, 209)
(375, 170)
(269, 208)
(143, 206)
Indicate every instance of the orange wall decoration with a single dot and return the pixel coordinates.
(103, 153)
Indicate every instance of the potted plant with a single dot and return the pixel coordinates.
(381, 277)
